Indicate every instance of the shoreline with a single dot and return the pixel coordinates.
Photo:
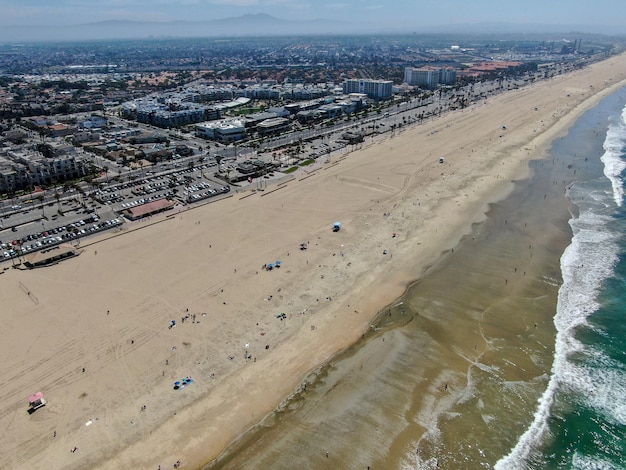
(344, 399)
(340, 400)
(440, 209)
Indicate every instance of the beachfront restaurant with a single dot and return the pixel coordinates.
(148, 209)
(50, 255)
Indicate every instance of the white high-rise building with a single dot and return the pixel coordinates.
(378, 89)
(429, 76)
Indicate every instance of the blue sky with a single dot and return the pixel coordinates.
(387, 12)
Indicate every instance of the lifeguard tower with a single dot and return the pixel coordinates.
(35, 401)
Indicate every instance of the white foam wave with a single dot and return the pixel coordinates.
(603, 382)
(613, 157)
(585, 264)
(586, 462)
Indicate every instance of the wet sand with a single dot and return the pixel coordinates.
(438, 375)
(208, 262)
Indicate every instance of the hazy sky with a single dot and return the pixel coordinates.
(417, 12)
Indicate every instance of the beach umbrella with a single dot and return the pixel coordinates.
(277, 262)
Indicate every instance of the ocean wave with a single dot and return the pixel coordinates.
(602, 382)
(613, 157)
(586, 462)
(585, 264)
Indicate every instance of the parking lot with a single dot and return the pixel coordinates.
(183, 185)
(35, 240)
(29, 227)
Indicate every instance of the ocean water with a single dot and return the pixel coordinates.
(510, 353)
(580, 422)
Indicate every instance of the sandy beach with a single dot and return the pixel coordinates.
(92, 333)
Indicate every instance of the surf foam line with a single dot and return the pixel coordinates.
(585, 264)
(613, 157)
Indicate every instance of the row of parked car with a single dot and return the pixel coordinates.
(150, 188)
(36, 241)
(198, 196)
(197, 187)
(145, 200)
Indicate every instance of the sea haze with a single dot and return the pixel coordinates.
(267, 25)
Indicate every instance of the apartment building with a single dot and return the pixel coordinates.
(377, 89)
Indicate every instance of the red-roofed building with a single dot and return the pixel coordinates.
(150, 208)
(487, 67)
(60, 130)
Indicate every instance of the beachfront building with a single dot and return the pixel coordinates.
(377, 89)
(295, 108)
(429, 76)
(315, 111)
(50, 256)
(225, 131)
(301, 92)
(25, 169)
(331, 110)
(352, 137)
(273, 126)
(447, 76)
(148, 209)
(251, 121)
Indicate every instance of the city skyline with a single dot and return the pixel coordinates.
(400, 14)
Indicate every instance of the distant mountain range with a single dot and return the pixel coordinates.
(261, 25)
(246, 25)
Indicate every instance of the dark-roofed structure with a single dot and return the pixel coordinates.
(150, 208)
(50, 255)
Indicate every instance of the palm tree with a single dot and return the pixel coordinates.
(79, 191)
(41, 198)
(200, 162)
(57, 196)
